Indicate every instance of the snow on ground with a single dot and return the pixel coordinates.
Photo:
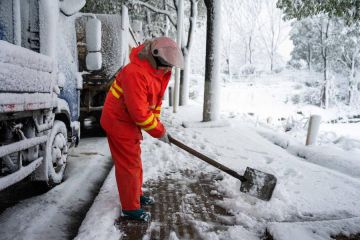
(305, 191)
(318, 188)
(332, 157)
(313, 230)
(104, 210)
(53, 214)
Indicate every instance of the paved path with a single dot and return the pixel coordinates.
(181, 203)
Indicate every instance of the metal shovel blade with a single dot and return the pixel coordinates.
(258, 184)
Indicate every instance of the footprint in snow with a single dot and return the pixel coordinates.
(290, 172)
(254, 151)
(268, 159)
(245, 158)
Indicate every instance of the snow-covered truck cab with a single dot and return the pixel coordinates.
(117, 39)
(39, 88)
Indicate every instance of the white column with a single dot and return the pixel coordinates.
(49, 15)
(125, 24)
(17, 22)
(313, 129)
(180, 21)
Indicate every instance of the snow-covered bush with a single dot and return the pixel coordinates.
(278, 70)
(312, 96)
(313, 84)
(196, 86)
(298, 86)
(295, 99)
(247, 69)
(347, 143)
(296, 64)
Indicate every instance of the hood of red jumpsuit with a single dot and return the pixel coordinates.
(145, 64)
(159, 75)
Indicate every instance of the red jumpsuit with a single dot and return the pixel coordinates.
(133, 103)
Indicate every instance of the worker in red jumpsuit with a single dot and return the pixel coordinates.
(134, 104)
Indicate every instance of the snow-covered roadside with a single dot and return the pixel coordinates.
(314, 230)
(305, 191)
(332, 157)
(52, 215)
(102, 214)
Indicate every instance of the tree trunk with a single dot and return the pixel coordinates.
(352, 80)
(185, 76)
(148, 20)
(309, 57)
(250, 50)
(325, 90)
(179, 29)
(272, 48)
(166, 19)
(245, 52)
(212, 66)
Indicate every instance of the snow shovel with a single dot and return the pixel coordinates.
(254, 182)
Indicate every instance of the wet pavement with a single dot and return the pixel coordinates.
(185, 207)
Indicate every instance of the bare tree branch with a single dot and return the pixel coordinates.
(175, 5)
(193, 14)
(157, 10)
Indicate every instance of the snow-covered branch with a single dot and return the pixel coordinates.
(157, 10)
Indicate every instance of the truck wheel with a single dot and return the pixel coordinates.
(57, 153)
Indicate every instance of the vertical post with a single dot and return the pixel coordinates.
(124, 36)
(179, 28)
(211, 109)
(49, 14)
(170, 97)
(17, 22)
(313, 129)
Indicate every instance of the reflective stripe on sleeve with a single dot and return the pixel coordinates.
(147, 121)
(113, 91)
(117, 87)
(155, 123)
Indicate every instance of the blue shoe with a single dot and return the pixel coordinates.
(144, 200)
(138, 214)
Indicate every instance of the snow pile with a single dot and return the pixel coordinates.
(54, 214)
(212, 124)
(102, 214)
(314, 230)
(347, 162)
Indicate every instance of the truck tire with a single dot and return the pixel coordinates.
(56, 153)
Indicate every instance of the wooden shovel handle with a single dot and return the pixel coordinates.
(206, 159)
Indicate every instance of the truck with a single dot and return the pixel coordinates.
(43, 65)
(118, 38)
